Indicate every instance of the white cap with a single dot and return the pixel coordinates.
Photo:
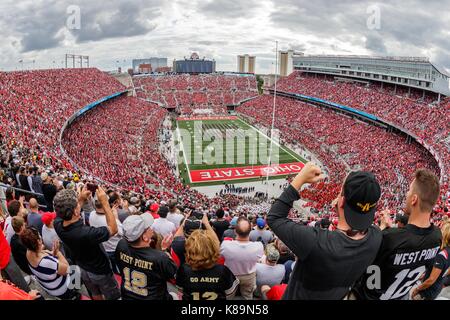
(134, 226)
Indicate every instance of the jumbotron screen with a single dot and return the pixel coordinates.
(194, 66)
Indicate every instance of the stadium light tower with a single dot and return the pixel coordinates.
(80, 58)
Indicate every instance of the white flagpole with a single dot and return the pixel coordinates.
(273, 116)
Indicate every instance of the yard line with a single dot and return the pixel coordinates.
(184, 153)
(268, 138)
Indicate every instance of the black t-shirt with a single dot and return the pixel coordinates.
(285, 257)
(329, 262)
(49, 191)
(19, 252)
(219, 227)
(178, 248)
(441, 262)
(85, 245)
(144, 271)
(23, 179)
(211, 284)
(404, 256)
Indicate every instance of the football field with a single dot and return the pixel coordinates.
(218, 150)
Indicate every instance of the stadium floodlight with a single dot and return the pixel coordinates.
(81, 59)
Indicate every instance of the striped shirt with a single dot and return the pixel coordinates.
(47, 275)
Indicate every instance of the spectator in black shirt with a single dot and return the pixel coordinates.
(23, 179)
(329, 262)
(49, 190)
(434, 279)
(220, 224)
(85, 243)
(18, 250)
(144, 270)
(189, 225)
(406, 253)
(401, 220)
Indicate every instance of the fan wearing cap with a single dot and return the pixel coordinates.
(329, 261)
(260, 233)
(269, 272)
(230, 234)
(144, 270)
(48, 231)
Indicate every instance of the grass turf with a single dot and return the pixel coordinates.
(244, 152)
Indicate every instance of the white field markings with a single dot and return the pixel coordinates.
(287, 150)
(186, 164)
(295, 156)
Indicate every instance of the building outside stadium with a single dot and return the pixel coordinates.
(412, 72)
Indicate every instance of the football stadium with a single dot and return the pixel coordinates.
(194, 180)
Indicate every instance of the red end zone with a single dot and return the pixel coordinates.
(207, 118)
(210, 175)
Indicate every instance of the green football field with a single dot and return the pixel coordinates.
(225, 144)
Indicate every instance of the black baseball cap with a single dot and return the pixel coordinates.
(362, 192)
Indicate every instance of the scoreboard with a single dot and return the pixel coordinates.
(195, 66)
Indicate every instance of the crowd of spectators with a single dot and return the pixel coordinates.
(142, 212)
(421, 114)
(343, 144)
(191, 93)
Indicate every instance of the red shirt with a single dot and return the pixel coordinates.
(276, 292)
(5, 251)
(10, 292)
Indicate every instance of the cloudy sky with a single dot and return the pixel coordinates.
(118, 30)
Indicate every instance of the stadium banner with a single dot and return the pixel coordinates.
(207, 118)
(210, 175)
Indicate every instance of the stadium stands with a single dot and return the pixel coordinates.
(426, 119)
(193, 93)
(34, 105)
(343, 144)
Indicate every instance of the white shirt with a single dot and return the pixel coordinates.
(163, 226)
(8, 229)
(175, 218)
(30, 183)
(241, 257)
(99, 220)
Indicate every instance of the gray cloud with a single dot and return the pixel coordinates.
(42, 25)
(221, 29)
(409, 27)
(115, 20)
(376, 44)
(228, 8)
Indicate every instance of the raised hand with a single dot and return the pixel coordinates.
(311, 173)
(166, 242)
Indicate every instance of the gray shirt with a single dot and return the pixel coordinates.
(261, 235)
(34, 220)
(269, 275)
(48, 237)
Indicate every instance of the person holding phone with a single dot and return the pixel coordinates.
(85, 242)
